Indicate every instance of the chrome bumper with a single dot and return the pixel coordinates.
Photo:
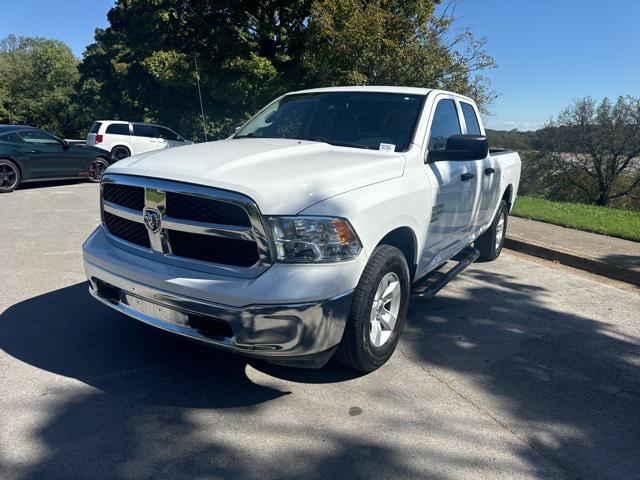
(272, 332)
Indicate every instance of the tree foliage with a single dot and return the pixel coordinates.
(393, 42)
(38, 80)
(595, 148)
(143, 66)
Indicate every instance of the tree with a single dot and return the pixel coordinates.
(394, 42)
(38, 80)
(142, 67)
(595, 147)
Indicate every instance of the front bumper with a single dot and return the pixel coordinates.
(284, 332)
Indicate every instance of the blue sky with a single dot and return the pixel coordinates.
(548, 52)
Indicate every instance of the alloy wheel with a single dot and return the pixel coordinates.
(500, 231)
(97, 170)
(8, 176)
(384, 310)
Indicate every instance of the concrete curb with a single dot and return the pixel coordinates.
(572, 260)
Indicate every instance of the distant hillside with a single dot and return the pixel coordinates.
(513, 139)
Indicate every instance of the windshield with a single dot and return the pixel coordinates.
(377, 121)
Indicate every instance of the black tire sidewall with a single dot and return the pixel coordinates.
(397, 265)
(120, 147)
(355, 349)
(101, 160)
(486, 243)
(18, 175)
(502, 211)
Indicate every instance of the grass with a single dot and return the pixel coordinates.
(590, 218)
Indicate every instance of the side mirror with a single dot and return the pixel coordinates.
(235, 128)
(460, 148)
(65, 145)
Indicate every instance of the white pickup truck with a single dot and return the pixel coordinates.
(307, 231)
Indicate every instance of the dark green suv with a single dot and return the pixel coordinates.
(30, 154)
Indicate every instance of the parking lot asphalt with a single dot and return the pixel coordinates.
(517, 369)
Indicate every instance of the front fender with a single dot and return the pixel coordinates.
(378, 209)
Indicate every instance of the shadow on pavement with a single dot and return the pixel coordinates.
(567, 386)
(573, 381)
(622, 259)
(69, 333)
(37, 184)
(143, 420)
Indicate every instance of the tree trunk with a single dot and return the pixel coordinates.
(603, 199)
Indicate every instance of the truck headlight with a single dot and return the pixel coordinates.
(314, 239)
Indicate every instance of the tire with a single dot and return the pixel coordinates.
(119, 152)
(98, 166)
(358, 347)
(490, 243)
(9, 176)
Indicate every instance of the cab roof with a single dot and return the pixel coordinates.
(382, 89)
(370, 88)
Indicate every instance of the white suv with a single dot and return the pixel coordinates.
(124, 139)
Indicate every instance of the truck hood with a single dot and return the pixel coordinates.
(282, 176)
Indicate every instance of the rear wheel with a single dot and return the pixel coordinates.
(378, 311)
(98, 166)
(9, 176)
(490, 243)
(120, 152)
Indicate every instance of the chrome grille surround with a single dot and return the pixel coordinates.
(155, 198)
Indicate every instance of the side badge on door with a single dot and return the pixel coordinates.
(436, 211)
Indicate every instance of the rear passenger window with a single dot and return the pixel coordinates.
(445, 123)
(470, 118)
(118, 129)
(142, 130)
(95, 127)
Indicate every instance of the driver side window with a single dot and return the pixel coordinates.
(445, 123)
(39, 137)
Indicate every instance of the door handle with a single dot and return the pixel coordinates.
(466, 176)
(35, 151)
(489, 170)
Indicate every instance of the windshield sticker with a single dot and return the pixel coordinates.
(387, 147)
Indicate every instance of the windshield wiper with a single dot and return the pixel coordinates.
(338, 143)
(248, 135)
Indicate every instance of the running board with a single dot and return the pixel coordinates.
(433, 282)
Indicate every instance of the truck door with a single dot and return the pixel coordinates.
(488, 183)
(454, 185)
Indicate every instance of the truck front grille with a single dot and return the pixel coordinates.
(124, 195)
(207, 248)
(132, 232)
(198, 209)
(194, 223)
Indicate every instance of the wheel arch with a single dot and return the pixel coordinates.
(507, 196)
(122, 144)
(404, 238)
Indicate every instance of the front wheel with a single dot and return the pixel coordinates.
(490, 243)
(378, 311)
(9, 176)
(98, 166)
